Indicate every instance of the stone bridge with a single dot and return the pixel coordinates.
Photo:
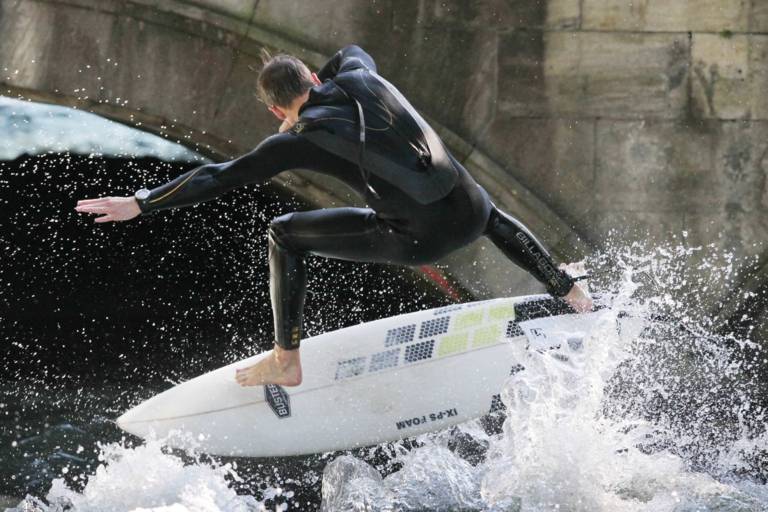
(581, 117)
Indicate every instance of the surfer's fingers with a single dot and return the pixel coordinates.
(91, 201)
(105, 218)
(104, 201)
(92, 209)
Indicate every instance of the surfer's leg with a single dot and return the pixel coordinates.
(354, 234)
(287, 287)
(520, 246)
(342, 233)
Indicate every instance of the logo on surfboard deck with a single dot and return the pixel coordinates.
(427, 418)
(278, 400)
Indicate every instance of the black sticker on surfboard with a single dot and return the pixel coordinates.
(513, 330)
(496, 404)
(541, 307)
(278, 400)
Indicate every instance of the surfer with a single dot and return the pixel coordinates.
(348, 122)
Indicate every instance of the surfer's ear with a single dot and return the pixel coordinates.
(316, 79)
(278, 112)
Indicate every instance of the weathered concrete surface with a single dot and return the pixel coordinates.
(730, 80)
(326, 23)
(616, 75)
(667, 15)
(427, 63)
(758, 19)
(697, 188)
(588, 74)
(736, 218)
(658, 166)
(492, 15)
(552, 156)
(580, 117)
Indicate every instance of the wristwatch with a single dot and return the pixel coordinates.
(142, 197)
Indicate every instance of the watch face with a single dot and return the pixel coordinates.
(142, 195)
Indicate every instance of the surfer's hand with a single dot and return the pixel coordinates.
(578, 299)
(110, 209)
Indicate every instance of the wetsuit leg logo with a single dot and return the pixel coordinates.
(295, 336)
(278, 400)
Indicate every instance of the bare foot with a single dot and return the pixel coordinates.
(282, 367)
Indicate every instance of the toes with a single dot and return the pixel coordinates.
(242, 378)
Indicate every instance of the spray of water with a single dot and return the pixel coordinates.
(151, 478)
(651, 411)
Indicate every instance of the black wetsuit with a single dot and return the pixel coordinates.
(402, 226)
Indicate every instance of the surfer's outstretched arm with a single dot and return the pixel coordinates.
(275, 154)
(520, 246)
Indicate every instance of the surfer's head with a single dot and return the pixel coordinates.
(284, 84)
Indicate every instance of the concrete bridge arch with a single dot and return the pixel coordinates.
(578, 117)
(186, 70)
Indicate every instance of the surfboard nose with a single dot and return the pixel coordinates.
(127, 422)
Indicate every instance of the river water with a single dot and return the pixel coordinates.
(651, 413)
(658, 410)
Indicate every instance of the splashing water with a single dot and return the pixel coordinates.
(649, 412)
(149, 478)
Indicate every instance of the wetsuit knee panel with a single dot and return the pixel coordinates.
(278, 231)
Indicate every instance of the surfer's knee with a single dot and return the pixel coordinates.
(279, 230)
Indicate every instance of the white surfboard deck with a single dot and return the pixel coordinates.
(370, 383)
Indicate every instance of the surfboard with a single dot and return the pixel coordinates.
(367, 384)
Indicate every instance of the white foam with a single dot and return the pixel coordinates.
(566, 447)
(148, 478)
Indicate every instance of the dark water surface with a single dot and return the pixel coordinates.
(660, 415)
(95, 318)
